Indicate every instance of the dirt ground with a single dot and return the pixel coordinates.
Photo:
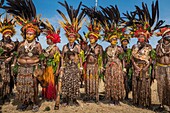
(102, 107)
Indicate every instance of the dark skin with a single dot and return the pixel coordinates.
(142, 40)
(50, 55)
(124, 43)
(163, 52)
(8, 46)
(163, 60)
(83, 45)
(27, 60)
(98, 50)
(74, 57)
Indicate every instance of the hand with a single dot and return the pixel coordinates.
(9, 46)
(12, 72)
(145, 68)
(43, 67)
(1, 85)
(124, 74)
(38, 72)
(137, 69)
(153, 81)
(61, 68)
(46, 54)
(57, 73)
(81, 70)
(102, 70)
(8, 60)
(61, 73)
(12, 65)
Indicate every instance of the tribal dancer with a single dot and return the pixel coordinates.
(52, 62)
(93, 58)
(7, 52)
(83, 44)
(71, 62)
(142, 28)
(127, 58)
(28, 51)
(162, 66)
(114, 64)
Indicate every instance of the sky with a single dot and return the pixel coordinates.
(47, 8)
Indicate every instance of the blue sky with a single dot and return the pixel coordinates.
(47, 8)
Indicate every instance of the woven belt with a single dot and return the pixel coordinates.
(162, 65)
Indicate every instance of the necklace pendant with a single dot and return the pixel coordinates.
(71, 49)
(30, 54)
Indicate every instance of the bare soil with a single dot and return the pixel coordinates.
(102, 107)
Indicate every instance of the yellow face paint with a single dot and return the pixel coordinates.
(113, 40)
(30, 36)
(71, 39)
(92, 39)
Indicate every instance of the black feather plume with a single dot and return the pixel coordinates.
(23, 8)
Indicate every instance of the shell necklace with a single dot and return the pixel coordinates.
(29, 47)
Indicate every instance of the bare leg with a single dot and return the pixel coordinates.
(35, 107)
(57, 102)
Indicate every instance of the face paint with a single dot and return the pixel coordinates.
(30, 36)
(92, 39)
(141, 38)
(71, 39)
(113, 40)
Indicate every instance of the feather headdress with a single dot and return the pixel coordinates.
(142, 22)
(7, 25)
(82, 40)
(24, 13)
(164, 31)
(94, 25)
(73, 24)
(50, 32)
(111, 22)
(125, 37)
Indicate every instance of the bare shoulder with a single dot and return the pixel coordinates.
(134, 46)
(21, 44)
(56, 48)
(120, 48)
(99, 46)
(38, 44)
(78, 46)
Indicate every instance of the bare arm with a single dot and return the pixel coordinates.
(40, 50)
(56, 49)
(158, 51)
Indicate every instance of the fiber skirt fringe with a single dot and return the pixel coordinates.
(25, 84)
(70, 81)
